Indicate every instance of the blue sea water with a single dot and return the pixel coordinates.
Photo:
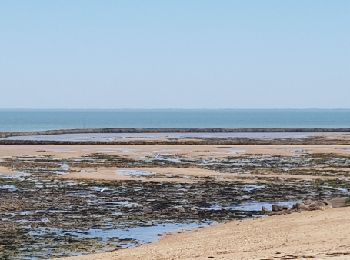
(29, 120)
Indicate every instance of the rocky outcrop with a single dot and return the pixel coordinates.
(308, 206)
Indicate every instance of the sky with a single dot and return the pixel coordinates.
(174, 54)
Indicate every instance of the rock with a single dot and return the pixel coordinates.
(308, 202)
(147, 210)
(276, 208)
(264, 209)
(300, 206)
(339, 202)
(194, 210)
(317, 206)
(311, 205)
(181, 209)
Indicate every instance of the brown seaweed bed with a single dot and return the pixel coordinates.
(42, 216)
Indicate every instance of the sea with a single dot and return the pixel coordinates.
(35, 119)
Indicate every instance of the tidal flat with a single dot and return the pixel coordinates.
(73, 200)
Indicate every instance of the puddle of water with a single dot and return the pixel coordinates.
(142, 234)
(65, 167)
(133, 172)
(343, 190)
(10, 188)
(26, 213)
(18, 176)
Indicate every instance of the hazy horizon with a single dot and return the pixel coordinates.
(174, 54)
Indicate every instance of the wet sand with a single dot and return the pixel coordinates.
(181, 175)
(184, 175)
(176, 174)
(132, 151)
(306, 235)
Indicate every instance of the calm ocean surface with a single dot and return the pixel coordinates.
(28, 120)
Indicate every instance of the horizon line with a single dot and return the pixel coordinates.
(179, 108)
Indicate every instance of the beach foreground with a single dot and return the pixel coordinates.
(316, 234)
(74, 200)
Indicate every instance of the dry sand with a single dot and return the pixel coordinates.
(316, 234)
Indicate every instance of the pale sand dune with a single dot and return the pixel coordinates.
(316, 234)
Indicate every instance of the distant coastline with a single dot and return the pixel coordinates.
(169, 130)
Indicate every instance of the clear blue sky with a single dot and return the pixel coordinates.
(174, 53)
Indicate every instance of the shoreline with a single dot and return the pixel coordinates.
(325, 235)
